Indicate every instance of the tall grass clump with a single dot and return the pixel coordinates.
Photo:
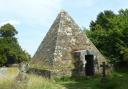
(38, 82)
(34, 81)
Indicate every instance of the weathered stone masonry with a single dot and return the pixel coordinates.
(64, 39)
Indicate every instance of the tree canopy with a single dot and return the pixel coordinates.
(10, 50)
(8, 31)
(109, 33)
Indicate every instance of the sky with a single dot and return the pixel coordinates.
(33, 18)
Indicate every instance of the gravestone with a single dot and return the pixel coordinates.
(22, 77)
(3, 72)
(104, 68)
(23, 67)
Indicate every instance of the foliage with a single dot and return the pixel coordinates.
(109, 32)
(10, 50)
(8, 31)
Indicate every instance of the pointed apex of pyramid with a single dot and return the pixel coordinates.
(63, 13)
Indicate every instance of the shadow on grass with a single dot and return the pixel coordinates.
(112, 82)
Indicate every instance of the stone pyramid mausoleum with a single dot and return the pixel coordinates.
(66, 50)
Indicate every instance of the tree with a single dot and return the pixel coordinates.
(103, 19)
(109, 32)
(10, 50)
(8, 30)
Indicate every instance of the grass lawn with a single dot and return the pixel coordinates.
(118, 80)
(115, 81)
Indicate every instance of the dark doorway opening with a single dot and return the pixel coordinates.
(89, 67)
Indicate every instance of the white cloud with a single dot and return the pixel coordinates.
(13, 22)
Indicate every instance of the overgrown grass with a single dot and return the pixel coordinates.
(37, 82)
(118, 80)
(7, 79)
(34, 82)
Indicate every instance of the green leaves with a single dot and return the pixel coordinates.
(109, 32)
(3, 59)
(10, 50)
(103, 20)
(8, 30)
